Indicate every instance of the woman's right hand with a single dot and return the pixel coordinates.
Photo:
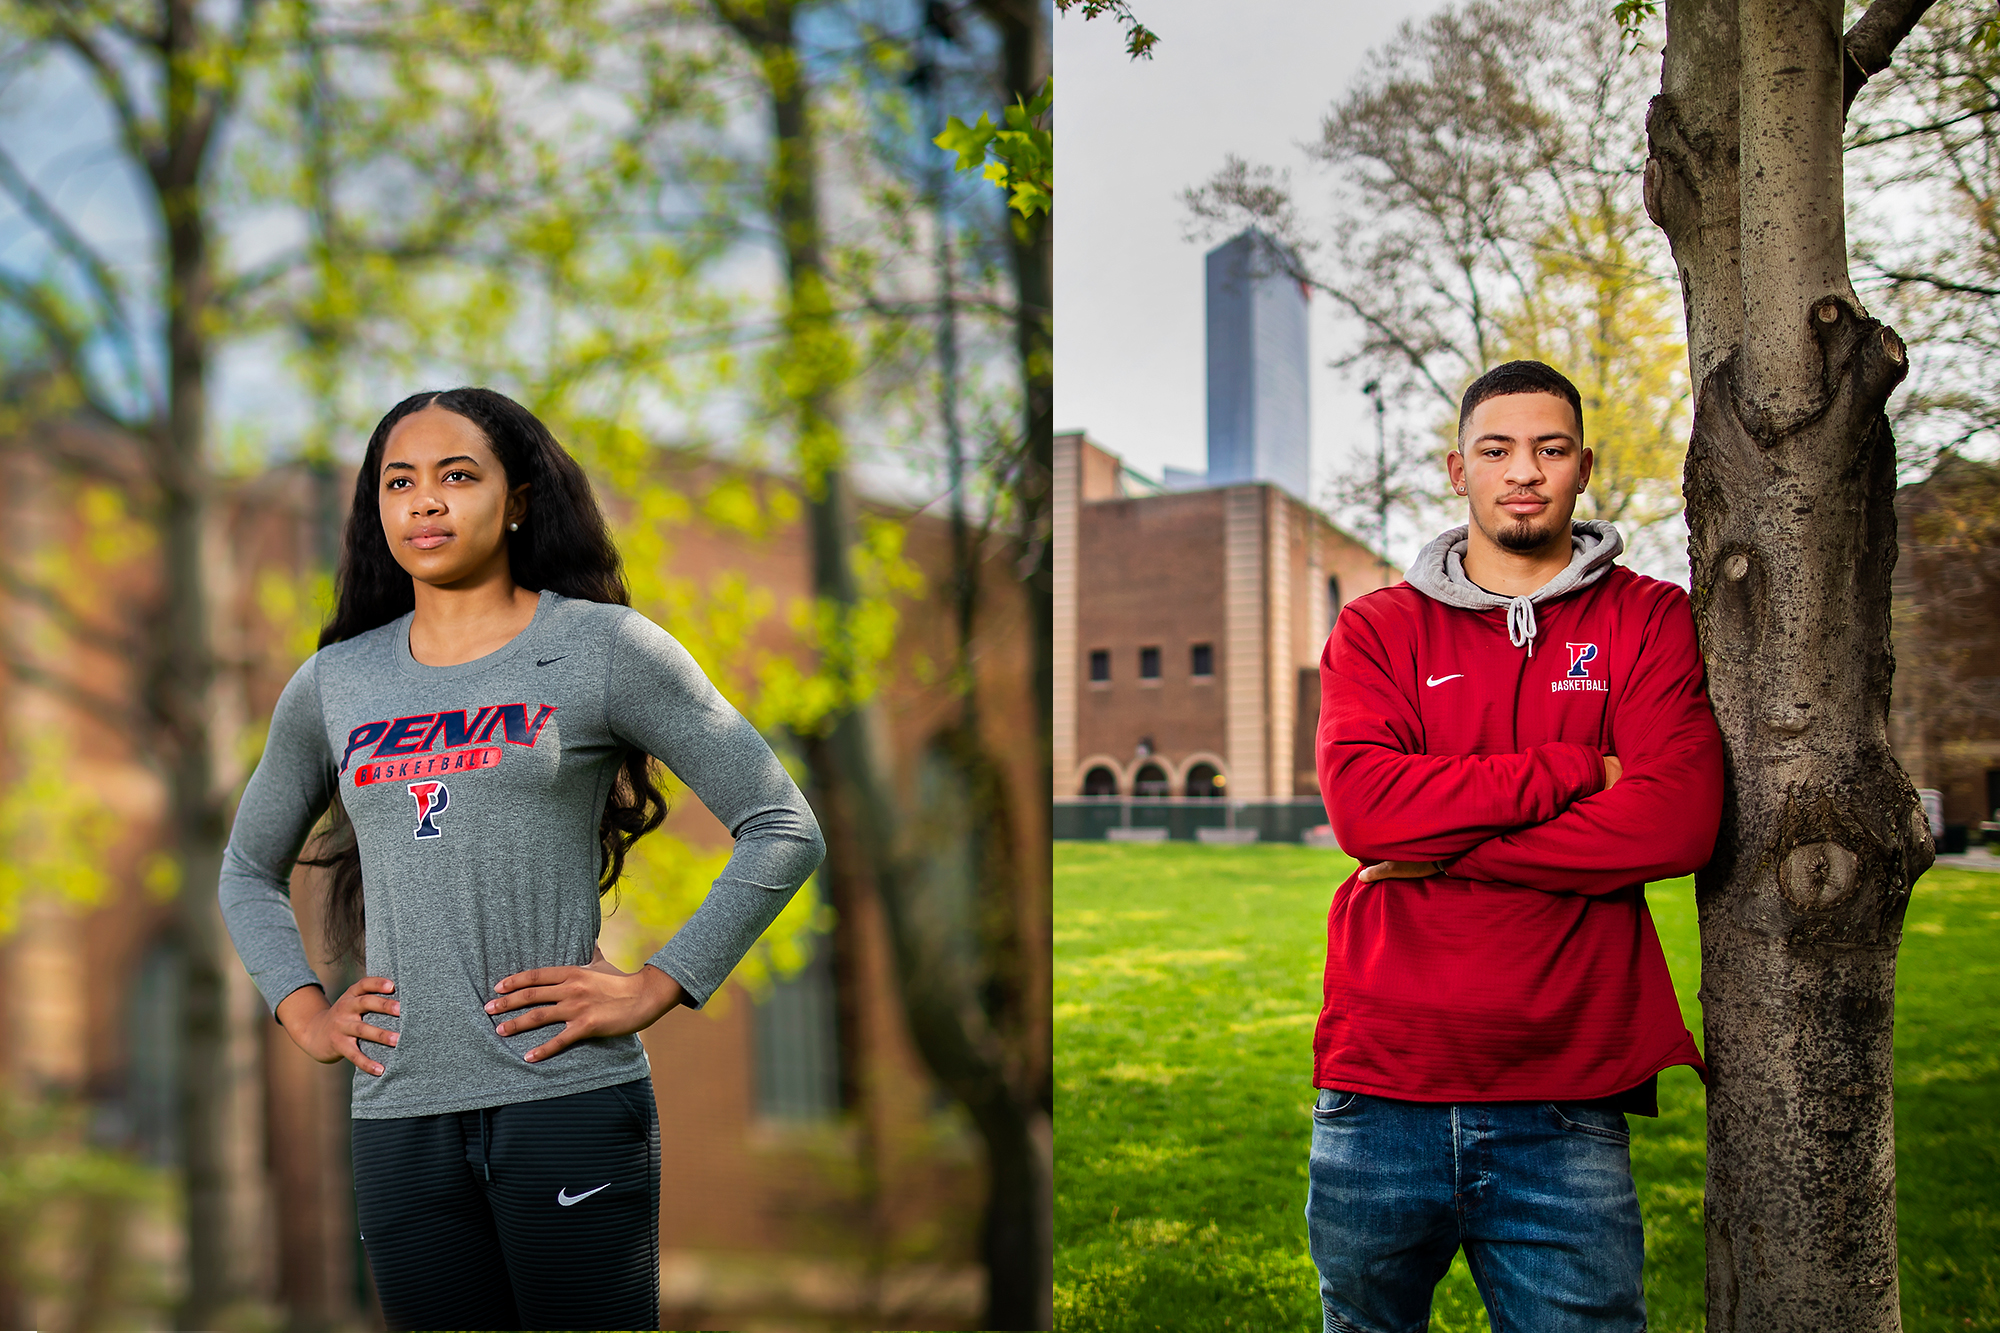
(330, 1032)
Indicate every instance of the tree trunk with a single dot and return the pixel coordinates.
(181, 674)
(1790, 487)
(941, 996)
(1024, 35)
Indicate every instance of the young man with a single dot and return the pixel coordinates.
(1512, 742)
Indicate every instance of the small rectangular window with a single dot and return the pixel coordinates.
(797, 1043)
(1204, 659)
(1100, 664)
(1149, 664)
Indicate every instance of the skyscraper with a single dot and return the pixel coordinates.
(1258, 407)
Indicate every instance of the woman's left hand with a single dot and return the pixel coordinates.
(595, 1001)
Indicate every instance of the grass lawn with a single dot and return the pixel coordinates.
(1187, 982)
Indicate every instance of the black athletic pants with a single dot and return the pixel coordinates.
(538, 1215)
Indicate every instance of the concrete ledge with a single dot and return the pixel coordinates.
(1136, 834)
(1233, 836)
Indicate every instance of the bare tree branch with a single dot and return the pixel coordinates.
(1386, 333)
(131, 124)
(1873, 39)
(1943, 284)
(43, 214)
(1932, 127)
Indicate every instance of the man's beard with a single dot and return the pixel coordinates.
(1523, 536)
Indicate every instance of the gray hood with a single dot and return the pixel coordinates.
(1439, 573)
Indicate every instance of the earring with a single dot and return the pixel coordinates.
(513, 527)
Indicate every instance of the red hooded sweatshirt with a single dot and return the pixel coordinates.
(1530, 969)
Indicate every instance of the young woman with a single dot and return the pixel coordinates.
(478, 718)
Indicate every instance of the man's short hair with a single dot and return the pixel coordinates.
(1518, 377)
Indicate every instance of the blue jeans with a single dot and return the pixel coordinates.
(1539, 1194)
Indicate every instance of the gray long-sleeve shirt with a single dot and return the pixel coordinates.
(475, 792)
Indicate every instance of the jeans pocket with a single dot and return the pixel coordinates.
(1598, 1123)
(1333, 1102)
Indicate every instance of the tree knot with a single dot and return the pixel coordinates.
(1818, 875)
(1857, 346)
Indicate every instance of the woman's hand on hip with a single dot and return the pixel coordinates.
(331, 1032)
(594, 1001)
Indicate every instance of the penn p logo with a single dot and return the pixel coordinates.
(432, 798)
(1578, 677)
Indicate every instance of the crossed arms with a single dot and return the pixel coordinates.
(1541, 818)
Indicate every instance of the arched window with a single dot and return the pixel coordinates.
(1151, 780)
(1204, 780)
(1100, 781)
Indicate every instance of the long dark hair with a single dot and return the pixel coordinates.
(564, 545)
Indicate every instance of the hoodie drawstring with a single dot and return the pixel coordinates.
(1521, 623)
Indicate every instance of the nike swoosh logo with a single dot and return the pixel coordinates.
(546, 661)
(565, 1198)
(1439, 680)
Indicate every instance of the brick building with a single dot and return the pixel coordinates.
(1944, 714)
(1188, 629)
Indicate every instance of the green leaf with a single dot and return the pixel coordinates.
(1022, 156)
(1632, 16)
(968, 141)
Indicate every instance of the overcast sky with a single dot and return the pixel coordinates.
(1252, 77)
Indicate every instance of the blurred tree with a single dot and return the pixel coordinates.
(1024, 68)
(1487, 206)
(974, 1034)
(132, 354)
(1018, 156)
(1792, 533)
(1014, 1084)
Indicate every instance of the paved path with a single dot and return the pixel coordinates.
(1979, 860)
